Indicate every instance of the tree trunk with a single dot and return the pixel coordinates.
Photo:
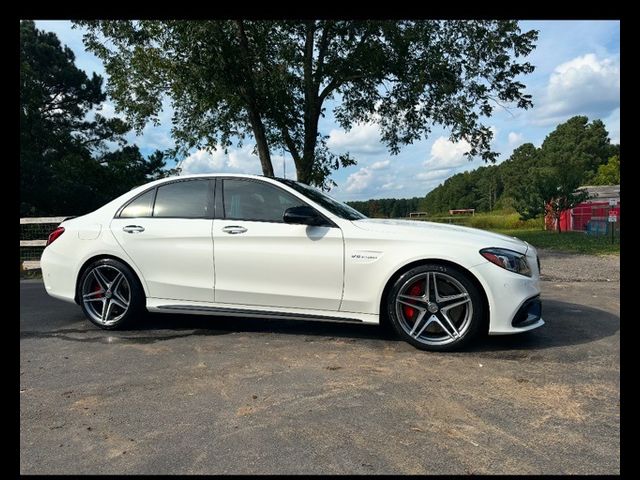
(252, 108)
(304, 168)
(261, 142)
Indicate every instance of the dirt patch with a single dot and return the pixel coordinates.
(86, 403)
(573, 267)
(244, 411)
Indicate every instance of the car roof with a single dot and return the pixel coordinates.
(208, 175)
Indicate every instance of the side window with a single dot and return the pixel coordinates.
(247, 200)
(140, 207)
(188, 199)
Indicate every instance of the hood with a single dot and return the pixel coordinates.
(443, 232)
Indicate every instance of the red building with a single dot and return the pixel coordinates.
(591, 215)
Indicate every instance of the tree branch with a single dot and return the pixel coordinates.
(291, 146)
(337, 83)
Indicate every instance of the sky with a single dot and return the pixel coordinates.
(577, 73)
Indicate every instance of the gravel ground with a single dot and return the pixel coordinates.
(574, 267)
(206, 395)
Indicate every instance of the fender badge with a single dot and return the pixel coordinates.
(365, 256)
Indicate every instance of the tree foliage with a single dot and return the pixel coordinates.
(270, 80)
(608, 173)
(535, 181)
(568, 156)
(387, 207)
(66, 165)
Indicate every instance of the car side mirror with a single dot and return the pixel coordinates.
(303, 215)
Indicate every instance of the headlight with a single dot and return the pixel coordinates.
(507, 259)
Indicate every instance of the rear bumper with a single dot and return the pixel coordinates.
(58, 274)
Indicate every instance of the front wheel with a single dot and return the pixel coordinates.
(110, 294)
(435, 307)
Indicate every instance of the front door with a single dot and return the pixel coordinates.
(168, 237)
(260, 260)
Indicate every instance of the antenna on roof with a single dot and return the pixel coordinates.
(284, 164)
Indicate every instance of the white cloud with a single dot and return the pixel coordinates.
(372, 177)
(587, 85)
(203, 161)
(243, 160)
(216, 161)
(381, 165)
(447, 154)
(392, 186)
(515, 139)
(435, 174)
(362, 138)
(238, 160)
(360, 180)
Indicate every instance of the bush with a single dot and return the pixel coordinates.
(496, 220)
(503, 220)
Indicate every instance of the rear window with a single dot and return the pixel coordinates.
(140, 207)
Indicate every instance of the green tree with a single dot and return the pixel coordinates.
(568, 155)
(271, 80)
(65, 165)
(387, 207)
(535, 181)
(581, 147)
(608, 173)
(514, 171)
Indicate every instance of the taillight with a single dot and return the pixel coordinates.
(54, 235)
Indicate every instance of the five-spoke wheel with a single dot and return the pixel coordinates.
(109, 293)
(435, 307)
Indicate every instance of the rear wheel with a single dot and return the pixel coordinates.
(435, 307)
(110, 294)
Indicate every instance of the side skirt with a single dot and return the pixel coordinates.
(237, 312)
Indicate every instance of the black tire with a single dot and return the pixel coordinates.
(408, 315)
(128, 291)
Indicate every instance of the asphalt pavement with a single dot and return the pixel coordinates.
(211, 395)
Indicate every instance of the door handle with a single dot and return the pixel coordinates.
(133, 229)
(234, 229)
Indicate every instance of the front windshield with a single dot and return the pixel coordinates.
(337, 208)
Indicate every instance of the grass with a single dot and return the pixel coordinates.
(509, 223)
(490, 221)
(573, 242)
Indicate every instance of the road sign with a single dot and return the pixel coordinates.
(613, 202)
(613, 218)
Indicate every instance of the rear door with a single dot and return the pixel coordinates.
(167, 234)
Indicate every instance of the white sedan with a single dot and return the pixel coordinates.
(252, 246)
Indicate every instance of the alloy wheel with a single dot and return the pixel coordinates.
(434, 308)
(106, 294)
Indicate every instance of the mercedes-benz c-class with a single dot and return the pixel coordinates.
(252, 246)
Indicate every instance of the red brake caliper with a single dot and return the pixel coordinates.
(415, 290)
(96, 290)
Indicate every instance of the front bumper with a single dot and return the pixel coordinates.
(529, 313)
(509, 295)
